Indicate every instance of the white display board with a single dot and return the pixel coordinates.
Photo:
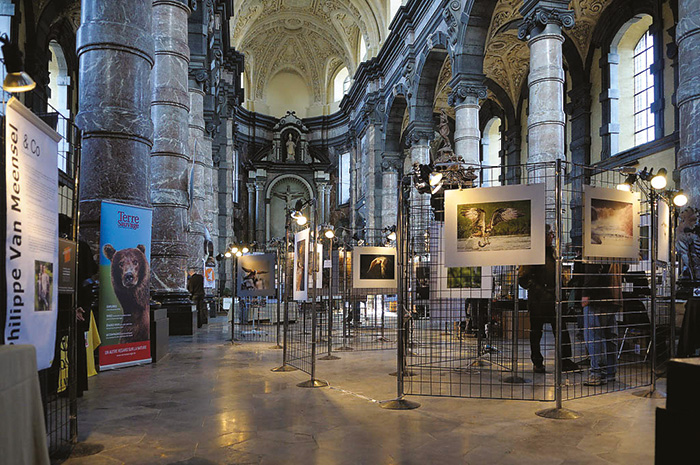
(31, 245)
(491, 226)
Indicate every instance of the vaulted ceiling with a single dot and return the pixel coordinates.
(310, 38)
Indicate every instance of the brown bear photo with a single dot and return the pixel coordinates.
(130, 278)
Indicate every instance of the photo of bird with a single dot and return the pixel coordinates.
(483, 229)
(252, 280)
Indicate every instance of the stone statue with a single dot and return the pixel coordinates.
(291, 148)
(688, 244)
(444, 130)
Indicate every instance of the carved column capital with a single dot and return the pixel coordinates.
(419, 134)
(392, 164)
(462, 91)
(539, 13)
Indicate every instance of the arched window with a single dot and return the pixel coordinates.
(630, 85)
(341, 84)
(491, 152)
(643, 90)
(363, 52)
(394, 6)
(59, 81)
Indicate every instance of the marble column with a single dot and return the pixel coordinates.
(419, 136)
(260, 212)
(170, 108)
(251, 211)
(210, 176)
(115, 52)
(391, 167)
(197, 149)
(542, 27)
(465, 98)
(321, 189)
(579, 110)
(688, 98)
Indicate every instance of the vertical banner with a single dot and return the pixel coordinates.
(209, 275)
(125, 253)
(301, 264)
(31, 236)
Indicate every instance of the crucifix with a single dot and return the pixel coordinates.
(288, 196)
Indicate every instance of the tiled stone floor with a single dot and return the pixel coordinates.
(209, 402)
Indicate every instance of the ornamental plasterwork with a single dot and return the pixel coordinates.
(318, 29)
(507, 58)
(507, 62)
(587, 14)
(443, 89)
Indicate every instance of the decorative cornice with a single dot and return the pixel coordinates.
(538, 18)
(456, 23)
(461, 92)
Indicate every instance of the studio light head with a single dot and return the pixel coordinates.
(680, 199)
(16, 80)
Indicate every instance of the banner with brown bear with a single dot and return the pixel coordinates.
(125, 253)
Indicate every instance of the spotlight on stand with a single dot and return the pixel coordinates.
(328, 230)
(628, 183)
(658, 181)
(421, 178)
(220, 257)
(234, 249)
(239, 253)
(16, 80)
(245, 250)
(227, 254)
(680, 199)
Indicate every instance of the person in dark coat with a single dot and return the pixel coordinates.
(539, 280)
(195, 286)
(87, 303)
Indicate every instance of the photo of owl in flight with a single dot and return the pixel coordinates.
(482, 229)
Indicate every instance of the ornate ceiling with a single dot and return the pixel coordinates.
(507, 58)
(312, 38)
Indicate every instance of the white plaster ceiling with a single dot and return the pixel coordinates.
(313, 38)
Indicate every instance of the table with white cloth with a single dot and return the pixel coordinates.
(22, 429)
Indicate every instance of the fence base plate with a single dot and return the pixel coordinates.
(313, 383)
(284, 368)
(329, 357)
(277, 347)
(399, 404)
(655, 394)
(558, 414)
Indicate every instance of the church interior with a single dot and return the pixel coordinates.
(355, 231)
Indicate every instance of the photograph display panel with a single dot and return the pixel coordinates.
(664, 229)
(256, 275)
(610, 223)
(492, 226)
(301, 264)
(460, 282)
(376, 267)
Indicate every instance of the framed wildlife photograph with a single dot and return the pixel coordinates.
(492, 226)
(374, 267)
(256, 275)
(458, 282)
(301, 265)
(610, 223)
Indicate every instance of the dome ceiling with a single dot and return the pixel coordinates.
(311, 38)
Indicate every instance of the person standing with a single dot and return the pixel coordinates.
(539, 280)
(601, 300)
(195, 286)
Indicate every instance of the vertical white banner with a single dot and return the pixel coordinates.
(31, 236)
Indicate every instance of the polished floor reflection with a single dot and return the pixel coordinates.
(209, 402)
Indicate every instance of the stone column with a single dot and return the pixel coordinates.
(327, 196)
(688, 98)
(465, 98)
(197, 149)
(251, 211)
(391, 167)
(542, 27)
(170, 108)
(419, 136)
(321, 189)
(115, 51)
(579, 110)
(260, 212)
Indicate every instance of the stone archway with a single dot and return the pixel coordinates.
(284, 191)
